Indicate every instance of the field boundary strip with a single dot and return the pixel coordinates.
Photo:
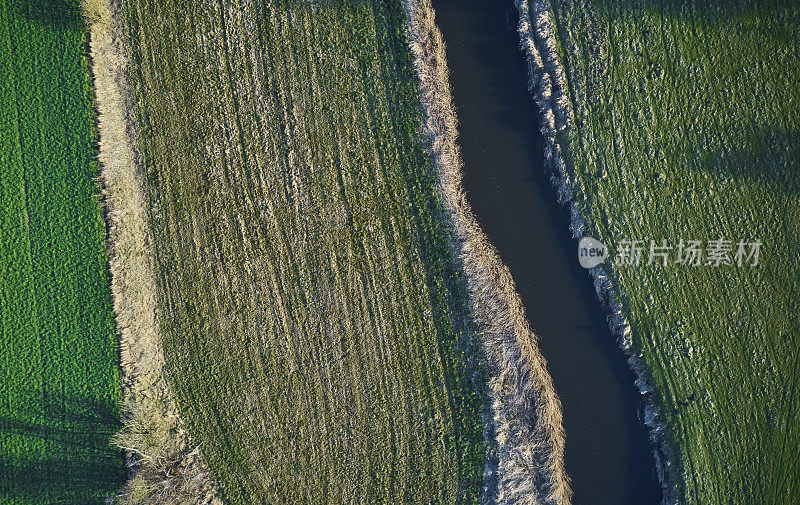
(158, 446)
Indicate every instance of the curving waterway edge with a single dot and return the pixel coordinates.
(528, 467)
(494, 296)
(538, 42)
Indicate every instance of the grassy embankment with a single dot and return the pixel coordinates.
(59, 381)
(686, 122)
(314, 328)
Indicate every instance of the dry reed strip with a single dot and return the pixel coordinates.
(526, 409)
(164, 466)
(548, 85)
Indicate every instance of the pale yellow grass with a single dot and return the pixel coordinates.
(165, 466)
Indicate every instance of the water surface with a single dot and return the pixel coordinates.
(608, 456)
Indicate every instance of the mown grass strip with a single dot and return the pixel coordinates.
(315, 327)
(686, 126)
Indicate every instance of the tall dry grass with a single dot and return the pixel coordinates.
(526, 409)
(549, 87)
(165, 468)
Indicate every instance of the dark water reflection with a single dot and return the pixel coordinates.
(607, 452)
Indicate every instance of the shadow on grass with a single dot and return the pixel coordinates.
(719, 9)
(61, 450)
(744, 15)
(56, 480)
(55, 13)
(770, 158)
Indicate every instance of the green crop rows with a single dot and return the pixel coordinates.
(314, 327)
(59, 385)
(688, 126)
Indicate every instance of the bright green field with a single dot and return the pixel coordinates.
(688, 126)
(58, 356)
(314, 327)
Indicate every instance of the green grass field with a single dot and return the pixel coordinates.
(58, 356)
(687, 125)
(313, 325)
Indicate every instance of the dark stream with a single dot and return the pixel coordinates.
(607, 453)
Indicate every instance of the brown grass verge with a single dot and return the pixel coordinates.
(526, 409)
(164, 466)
